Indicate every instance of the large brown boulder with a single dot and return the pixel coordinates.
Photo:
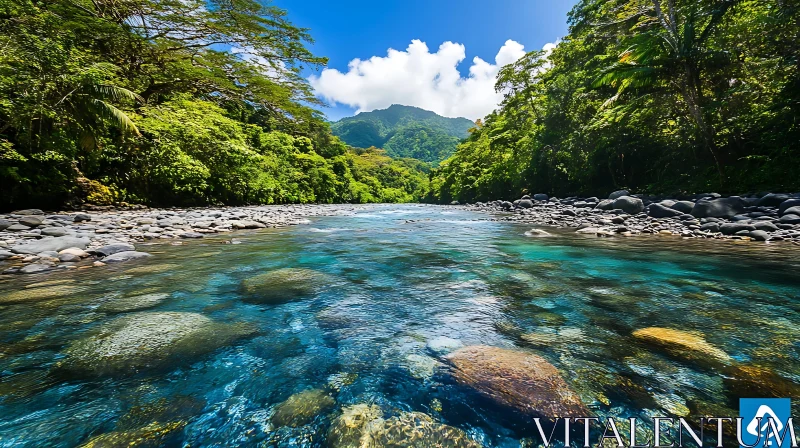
(518, 379)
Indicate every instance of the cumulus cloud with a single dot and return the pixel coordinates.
(417, 77)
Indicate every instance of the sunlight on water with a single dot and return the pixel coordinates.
(284, 338)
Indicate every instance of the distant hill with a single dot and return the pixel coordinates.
(404, 131)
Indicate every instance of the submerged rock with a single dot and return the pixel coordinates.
(132, 303)
(39, 293)
(514, 378)
(283, 285)
(120, 257)
(147, 340)
(301, 408)
(441, 345)
(683, 345)
(537, 232)
(152, 435)
(362, 426)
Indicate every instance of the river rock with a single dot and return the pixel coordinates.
(684, 345)
(153, 435)
(785, 219)
(541, 197)
(4, 224)
(4, 254)
(132, 303)
(618, 194)
(517, 379)
(283, 285)
(48, 244)
(348, 430)
(74, 251)
(147, 340)
(442, 345)
(683, 206)
(68, 258)
(629, 205)
(31, 221)
(789, 203)
(29, 211)
(35, 268)
(759, 235)
(605, 204)
(538, 233)
(525, 203)
(661, 211)
(301, 408)
(718, 208)
(730, 228)
(766, 226)
(772, 200)
(120, 257)
(81, 217)
(414, 430)
(17, 228)
(795, 210)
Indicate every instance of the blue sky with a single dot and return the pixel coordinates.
(348, 29)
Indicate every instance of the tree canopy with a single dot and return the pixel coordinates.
(651, 95)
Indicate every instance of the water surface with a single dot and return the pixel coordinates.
(402, 276)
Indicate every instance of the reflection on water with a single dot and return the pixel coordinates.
(344, 340)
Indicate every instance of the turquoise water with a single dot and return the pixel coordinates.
(398, 277)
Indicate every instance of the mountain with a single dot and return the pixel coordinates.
(404, 131)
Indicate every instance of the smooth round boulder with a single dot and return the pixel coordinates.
(283, 285)
(789, 203)
(792, 211)
(132, 303)
(520, 380)
(683, 206)
(790, 219)
(618, 194)
(772, 200)
(31, 221)
(629, 205)
(718, 208)
(661, 211)
(731, 228)
(541, 197)
(147, 340)
(525, 203)
(50, 244)
(54, 231)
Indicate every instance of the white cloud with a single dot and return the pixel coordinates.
(417, 77)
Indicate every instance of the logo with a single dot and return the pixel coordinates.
(767, 423)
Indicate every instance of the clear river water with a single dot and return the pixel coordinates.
(396, 287)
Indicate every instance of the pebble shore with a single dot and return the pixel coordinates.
(32, 241)
(767, 217)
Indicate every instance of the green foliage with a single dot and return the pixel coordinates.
(644, 94)
(176, 102)
(404, 132)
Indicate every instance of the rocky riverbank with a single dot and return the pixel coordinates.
(32, 241)
(769, 217)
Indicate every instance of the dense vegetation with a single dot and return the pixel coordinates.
(652, 95)
(405, 131)
(171, 102)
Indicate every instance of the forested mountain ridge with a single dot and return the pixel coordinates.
(187, 102)
(404, 131)
(652, 96)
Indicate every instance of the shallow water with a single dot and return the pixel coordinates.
(399, 277)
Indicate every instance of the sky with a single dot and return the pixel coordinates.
(434, 45)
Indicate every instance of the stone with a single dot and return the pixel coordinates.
(730, 228)
(789, 203)
(17, 228)
(81, 217)
(68, 258)
(31, 221)
(765, 226)
(790, 219)
(283, 285)
(415, 430)
(538, 233)
(683, 206)
(120, 257)
(541, 197)
(191, 235)
(791, 211)
(759, 235)
(4, 254)
(74, 251)
(618, 194)
(153, 435)
(30, 211)
(661, 211)
(718, 208)
(605, 204)
(4, 224)
(683, 345)
(35, 268)
(112, 249)
(48, 244)
(132, 303)
(710, 227)
(147, 340)
(54, 231)
(348, 429)
(300, 408)
(442, 345)
(772, 200)
(629, 205)
(525, 203)
(520, 380)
